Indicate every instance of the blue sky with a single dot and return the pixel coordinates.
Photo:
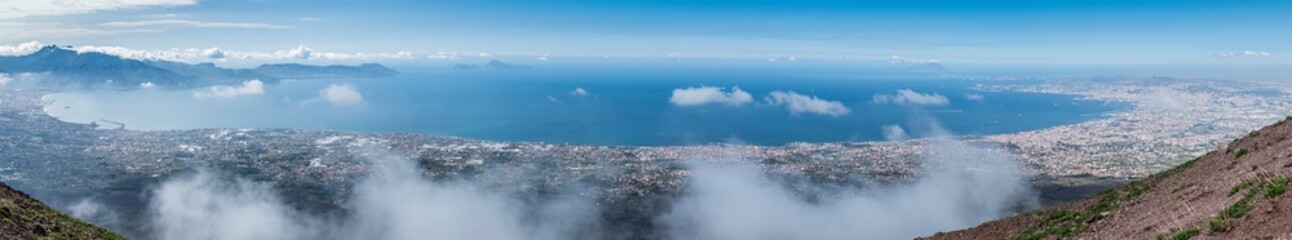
(1060, 32)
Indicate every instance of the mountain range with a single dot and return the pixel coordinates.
(491, 65)
(66, 67)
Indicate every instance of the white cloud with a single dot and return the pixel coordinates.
(443, 55)
(20, 49)
(19, 9)
(165, 15)
(895, 133)
(24, 31)
(147, 85)
(300, 52)
(973, 97)
(190, 23)
(351, 56)
(798, 104)
(253, 87)
(4, 79)
(213, 53)
(341, 94)
(900, 59)
(173, 54)
(1244, 53)
(309, 19)
(579, 92)
(393, 201)
(908, 97)
(960, 186)
(696, 96)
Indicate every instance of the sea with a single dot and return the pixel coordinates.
(617, 105)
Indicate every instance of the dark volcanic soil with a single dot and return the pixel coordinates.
(1237, 192)
(22, 217)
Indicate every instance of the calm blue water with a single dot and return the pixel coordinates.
(625, 106)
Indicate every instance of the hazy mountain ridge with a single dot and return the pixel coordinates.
(1236, 192)
(293, 70)
(92, 70)
(68, 68)
(491, 65)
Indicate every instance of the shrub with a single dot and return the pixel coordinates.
(1185, 235)
(1218, 225)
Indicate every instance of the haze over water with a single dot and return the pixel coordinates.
(617, 106)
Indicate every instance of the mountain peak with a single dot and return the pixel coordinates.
(497, 64)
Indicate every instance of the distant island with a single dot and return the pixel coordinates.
(491, 65)
(64, 67)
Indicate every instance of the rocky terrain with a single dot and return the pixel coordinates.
(26, 218)
(1235, 192)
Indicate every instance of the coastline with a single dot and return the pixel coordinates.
(313, 167)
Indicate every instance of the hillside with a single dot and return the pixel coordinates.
(67, 67)
(26, 218)
(1236, 192)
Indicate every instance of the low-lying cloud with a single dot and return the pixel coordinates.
(798, 104)
(206, 206)
(962, 186)
(697, 96)
(393, 202)
(895, 133)
(579, 92)
(912, 98)
(253, 87)
(213, 53)
(4, 79)
(341, 94)
(20, 49)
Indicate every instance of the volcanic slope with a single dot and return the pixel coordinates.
(1235, 192)
(22, 217)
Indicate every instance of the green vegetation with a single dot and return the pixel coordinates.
(1177, 234)
(1267, 187)
(47, 223)
(1236, 210)
(1185, 235)
(1137, 188)
(1240, 153)
(1241, 186)
(1272, 187)
(1068, 224)
(1218, 225)
(1254, 134)
(1176, 169)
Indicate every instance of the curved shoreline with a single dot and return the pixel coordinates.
(49, 110)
